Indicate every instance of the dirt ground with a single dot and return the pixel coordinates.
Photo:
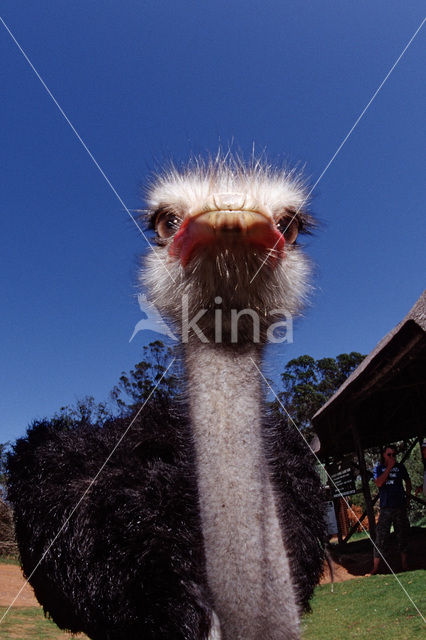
(11, 581)
(353, 560)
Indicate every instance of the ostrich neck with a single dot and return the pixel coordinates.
(247, 566)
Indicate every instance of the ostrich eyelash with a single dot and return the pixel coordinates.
(162, 211)
(306, 223)
(153, 215)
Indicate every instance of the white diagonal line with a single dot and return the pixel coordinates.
(338, 491)
(80, 139)
(92, 482)
(345, 139)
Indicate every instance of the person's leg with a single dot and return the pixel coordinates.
(382, 531)
(402, 529)
(376, 564)
(382, 534)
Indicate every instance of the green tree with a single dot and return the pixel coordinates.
(308, 383)
(85, 410)
(7, 534)
(152, 373)
(3, 455)
(414, 464)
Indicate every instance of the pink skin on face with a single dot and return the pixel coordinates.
(194, 236)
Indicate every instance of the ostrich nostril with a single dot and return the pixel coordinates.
(233, 201)
(230, 201)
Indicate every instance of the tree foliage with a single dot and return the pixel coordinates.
(158, 371)
(84, 410)
(4, 446)
(152, 374)
(414, 464)
(308, 383)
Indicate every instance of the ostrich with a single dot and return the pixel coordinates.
(206, 526)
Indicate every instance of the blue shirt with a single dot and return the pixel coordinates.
(392, 493)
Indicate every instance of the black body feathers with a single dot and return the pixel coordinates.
(129, 562)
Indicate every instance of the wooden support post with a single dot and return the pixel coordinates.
(364, 478)
(336, 504)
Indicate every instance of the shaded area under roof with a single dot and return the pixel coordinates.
(385, 397)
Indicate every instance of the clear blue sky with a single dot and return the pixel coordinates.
(145, 81)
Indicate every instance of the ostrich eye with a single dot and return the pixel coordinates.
(289, 227)
(166, 224)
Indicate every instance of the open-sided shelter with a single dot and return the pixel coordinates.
(383, 400)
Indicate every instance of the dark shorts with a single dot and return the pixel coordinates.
(397, 516)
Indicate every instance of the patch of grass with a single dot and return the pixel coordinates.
(9, 559)
(359, 535)
(29, 623)
(366, 608)
(361, 609)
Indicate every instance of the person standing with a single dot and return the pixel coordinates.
(389, 476)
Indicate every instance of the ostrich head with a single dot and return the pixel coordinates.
(227, 238)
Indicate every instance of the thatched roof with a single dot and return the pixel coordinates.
(385, 395)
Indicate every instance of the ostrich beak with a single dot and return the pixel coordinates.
(226, 229)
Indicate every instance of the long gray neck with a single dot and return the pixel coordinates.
(247, 565)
